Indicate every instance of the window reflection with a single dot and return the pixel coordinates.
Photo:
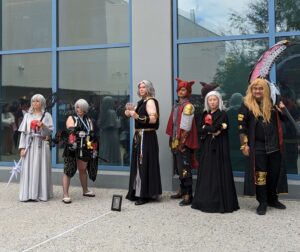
(100, 22)
(199, 19)
(287, 71)
(22, 76)
(287, 15)
(26, 24)
(100, 77)
(226, 64)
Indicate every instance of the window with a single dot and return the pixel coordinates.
(93, 22)
(102, 78)
(221, 45)
(23, 75)
(81, 49)
(26, 24)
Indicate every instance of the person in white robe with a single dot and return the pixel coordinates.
(36, 129)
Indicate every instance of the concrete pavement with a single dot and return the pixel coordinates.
(88, 224)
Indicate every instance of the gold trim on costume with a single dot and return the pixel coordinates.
(240, 127)
(240, 117)
(175, 143)
(260, 178)
(188, 109)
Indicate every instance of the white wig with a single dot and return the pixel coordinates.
(218, 95)
(82, 104)
(40, 98)
(149, 87)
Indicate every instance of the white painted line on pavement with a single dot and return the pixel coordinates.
(67, 231)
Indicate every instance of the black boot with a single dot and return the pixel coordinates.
(141, 201)
(187, 200)
(262, 208)
(276, 204)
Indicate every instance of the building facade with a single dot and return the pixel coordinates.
(99, 50)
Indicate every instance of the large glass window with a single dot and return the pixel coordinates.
(33, 62)
(102, 78)
(287, 15)
(26, 24)
(23, 75)
(227, 64)
(93, 22)
(213, 18)
(218, 50)
(287, 72)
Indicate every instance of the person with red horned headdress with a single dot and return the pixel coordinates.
(183, 140)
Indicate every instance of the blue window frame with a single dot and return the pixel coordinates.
(55, 50)
(204, 42)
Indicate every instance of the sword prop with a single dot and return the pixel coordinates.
(17, 168)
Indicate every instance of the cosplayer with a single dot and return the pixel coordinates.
(183, 140)
(215, 190)
(144, 182)
(81, 150)
(35, 130)
(261, 141)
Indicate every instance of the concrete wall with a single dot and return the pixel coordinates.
(152, 60)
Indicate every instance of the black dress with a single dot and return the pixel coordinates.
(215, 190)
(145, 168)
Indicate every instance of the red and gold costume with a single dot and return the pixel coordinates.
(183, 139)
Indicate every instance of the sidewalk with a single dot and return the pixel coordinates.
(88, 224)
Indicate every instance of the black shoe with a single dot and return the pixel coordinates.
(276, 204)
(186, 201)
(141, 201)
(262, 209)
(176, 196)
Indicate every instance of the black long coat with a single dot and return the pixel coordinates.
(215, 188)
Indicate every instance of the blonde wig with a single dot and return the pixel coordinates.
(264, 108)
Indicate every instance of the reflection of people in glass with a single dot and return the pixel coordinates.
(109, 126)
(289, 132)
(8, 126)
(145, 182)
(80, 151)
(215, 189)
(35, 179)
(237, 158)
(261, 140)
(19, 114)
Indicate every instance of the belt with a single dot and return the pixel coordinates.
(140, 130)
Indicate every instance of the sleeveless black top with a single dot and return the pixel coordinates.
(141, 110)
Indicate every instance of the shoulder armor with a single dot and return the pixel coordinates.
(188, 109)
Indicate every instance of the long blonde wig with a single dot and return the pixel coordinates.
(264, 108)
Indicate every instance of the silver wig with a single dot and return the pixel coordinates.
(82, 104)
(149, 87)
(40, 98)
(218, 95)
